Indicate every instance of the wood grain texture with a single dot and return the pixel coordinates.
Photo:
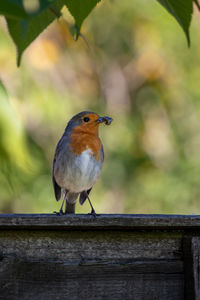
(102, 222)
(191, 248)
(76, 245)
(50, 280)
(139, 257)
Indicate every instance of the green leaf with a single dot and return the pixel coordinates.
(23, 32)
(3, 89)
(35, 7)
(23, 9)
(13, 9)
(182, 12)
(80, 9)
(197, 4)
(13, 147)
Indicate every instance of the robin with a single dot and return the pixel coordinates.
(78, 160)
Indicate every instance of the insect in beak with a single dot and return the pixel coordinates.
(106, 120)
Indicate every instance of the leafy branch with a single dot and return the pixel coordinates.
(27, 19)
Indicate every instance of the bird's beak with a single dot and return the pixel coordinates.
(106, 120)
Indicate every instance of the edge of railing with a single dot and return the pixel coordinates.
(100, 222)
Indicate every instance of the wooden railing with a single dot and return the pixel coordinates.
(136, 257)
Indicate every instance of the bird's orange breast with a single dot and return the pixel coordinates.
(82, 140)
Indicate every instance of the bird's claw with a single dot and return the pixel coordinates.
(93, 213)
(59, 213)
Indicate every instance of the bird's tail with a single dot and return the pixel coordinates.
(70, 199)
(70, 208)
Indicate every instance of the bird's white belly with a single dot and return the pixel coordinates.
(82, 172)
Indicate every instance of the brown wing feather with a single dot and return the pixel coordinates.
(57, 189)
(83, 196)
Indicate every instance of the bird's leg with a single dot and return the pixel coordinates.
(61, 209)
(60, 213)
(93, 213)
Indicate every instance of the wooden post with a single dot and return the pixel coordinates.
(136, 257)
(191, 252)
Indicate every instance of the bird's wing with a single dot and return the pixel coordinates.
(83, 196)
(102, 152)
(57, 188)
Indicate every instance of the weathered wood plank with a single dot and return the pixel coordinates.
(50, 280)
(191, 249)
(102, 222)
(94, 245)
(139, 257)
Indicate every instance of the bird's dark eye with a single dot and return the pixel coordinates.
(86, 119)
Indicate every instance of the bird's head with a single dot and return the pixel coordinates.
(87, 122)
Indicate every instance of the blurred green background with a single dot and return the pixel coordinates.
(139, 71)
